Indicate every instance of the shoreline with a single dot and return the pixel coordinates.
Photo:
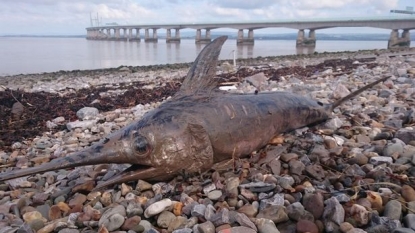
(241, 61)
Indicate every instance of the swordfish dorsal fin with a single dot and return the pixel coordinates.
(201, 75)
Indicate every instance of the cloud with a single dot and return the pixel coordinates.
(72, 16)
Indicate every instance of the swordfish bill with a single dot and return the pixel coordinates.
(197, 127)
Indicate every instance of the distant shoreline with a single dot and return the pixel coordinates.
(232, 36)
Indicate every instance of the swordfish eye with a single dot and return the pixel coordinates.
(141, 145)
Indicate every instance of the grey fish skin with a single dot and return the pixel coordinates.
(196, 128)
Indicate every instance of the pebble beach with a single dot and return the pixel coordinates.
(353, 173)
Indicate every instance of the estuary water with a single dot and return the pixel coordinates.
(25, 55)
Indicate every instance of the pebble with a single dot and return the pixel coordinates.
(157, 207)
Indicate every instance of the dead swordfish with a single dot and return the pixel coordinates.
(197, 127)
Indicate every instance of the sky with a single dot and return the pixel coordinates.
(71, 17)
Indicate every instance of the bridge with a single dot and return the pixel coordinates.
(399, 26)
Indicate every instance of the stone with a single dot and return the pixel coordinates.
(304, 226)
(395, 146)
(266, 226)
(238, 230)
(206, 227)
(80, 124)
(333, 213)
(359, 214)
(406, 135)
(87, 113)
(393, 210)
(403, 230)
(314, 203)
(214, 195)
(113, 218)
(243, 220)
(296, 211)
(198, 210)
(277, 214)
(131, 223)
(165, 218)
(380, 160)
(157, 207)
(340, 91)
(33, 215)
(409, 221)
(408, 193)
(249, 210)
(257, 80)
(77, 200)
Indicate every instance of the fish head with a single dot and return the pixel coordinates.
(163, 150)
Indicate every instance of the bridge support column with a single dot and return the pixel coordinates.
(200, 39)
(109, 35)
(136, 36)
(154, 38)
(245, 41)
(116, 34)
(303, 41)
(399, 42)
(175, 39)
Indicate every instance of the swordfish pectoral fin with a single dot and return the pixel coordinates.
(201, 75)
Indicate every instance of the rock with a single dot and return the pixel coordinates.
(296, 211)
(80, 124)
(314, 203)
(333, 123)
(393, 210)
(131, 223)
(238, 230)
(257, 80)
(206, 227)
(409, 221)
(249, 210)
(198, 211)
(275, 213)
(403, 230)
(77, 200)
(258, 187)
(406, 135)
(243, 220)
(113, 218)
(359, 214)
(165, 218)
(380, 160)
(408, 193)
(266, 226)
(333, 213)
(340, 91)
(87, 113)
(214, 195)
(157, 207)
(395, 146)
(33, 215)
(304, 226)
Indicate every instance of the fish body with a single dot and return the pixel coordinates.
(197, 127)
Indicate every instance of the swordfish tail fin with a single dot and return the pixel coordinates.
(357, 92)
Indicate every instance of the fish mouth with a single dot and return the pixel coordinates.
(133, 173)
